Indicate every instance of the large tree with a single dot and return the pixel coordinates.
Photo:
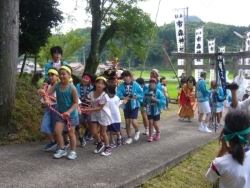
(37, 18)
(120, 18)
(9, 10)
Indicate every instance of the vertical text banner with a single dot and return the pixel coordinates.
(179, 15)
(211, 50)
(247, 45)
(199, 46)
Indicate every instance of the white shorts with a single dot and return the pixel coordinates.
(204, 107)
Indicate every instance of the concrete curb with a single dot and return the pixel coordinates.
(144, 177)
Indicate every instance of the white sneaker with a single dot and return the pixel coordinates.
(207, 130)
(72, 155)
(146, 132)
(129, 141)
(60, 153)
(201, 128)
(137, 135)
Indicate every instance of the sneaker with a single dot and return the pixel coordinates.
(82, 141)
(212, 125)
(119, 142)
(99, 147)
(66, 144)
(181, 119)
(201, 128)
(123, 141)
(137, 135)
(60, 152)
(106, 152)
(129, 141)
(150, 139)
(157, 136)
(57, 148)
(50, 146)
(218, 126)
(207, 130)
(72, 155)
(89, 137)
(112, 145)
(146, 132)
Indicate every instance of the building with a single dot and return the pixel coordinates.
(29, 67)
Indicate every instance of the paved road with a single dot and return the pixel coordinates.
(28, 166)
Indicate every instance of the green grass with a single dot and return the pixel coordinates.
(188, 173)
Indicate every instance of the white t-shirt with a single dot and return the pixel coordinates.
(114, 104)
(53, 95)
(102, 116)
(232, 174)
(57, 65)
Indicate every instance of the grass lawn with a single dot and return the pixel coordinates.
(190, 172)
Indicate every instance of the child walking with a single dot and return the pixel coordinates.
(141, 82)
(155, 102)
(83, 89)
(67, 101)
(133, 93)
(48, 122)
(232, 164)
(115, 127)
(100, 114)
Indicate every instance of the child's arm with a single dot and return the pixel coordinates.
(124, 101)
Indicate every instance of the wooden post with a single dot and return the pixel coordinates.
(235, 66)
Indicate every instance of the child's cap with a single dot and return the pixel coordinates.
(153, 80)
(156, 71)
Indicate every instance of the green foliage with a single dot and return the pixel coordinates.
(36, 20)
(27, 114)
(70, 43)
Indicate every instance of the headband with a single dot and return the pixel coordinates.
(87, 78)
(53, 71)
(101, 78)
(241, 135)
(66, 68)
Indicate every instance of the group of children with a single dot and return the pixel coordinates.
(95, 104)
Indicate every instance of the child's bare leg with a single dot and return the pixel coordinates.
(72, 138)
(94, 131)
(103, 133)
(128, 129)
(58, 134)
(156, 126)
(150, 127)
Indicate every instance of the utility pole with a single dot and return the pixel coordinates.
(188, 71)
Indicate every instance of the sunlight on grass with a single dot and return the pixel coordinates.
(190, 172)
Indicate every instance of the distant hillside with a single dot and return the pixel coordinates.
(194, 19)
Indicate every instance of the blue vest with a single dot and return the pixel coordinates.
(65, 100)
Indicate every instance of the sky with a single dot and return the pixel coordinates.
(230, 12)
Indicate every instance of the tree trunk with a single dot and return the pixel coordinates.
(93, 58)
(9, 22)
(23, 65)
(35, 64)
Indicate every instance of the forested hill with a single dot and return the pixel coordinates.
(224, 35)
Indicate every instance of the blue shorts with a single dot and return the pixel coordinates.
(49, 120)
(155, 118)
(115, 127)
(84, 117)
(131, 114)
(73, 121)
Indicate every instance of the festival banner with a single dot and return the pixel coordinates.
(179, 15)
(247, 45)
(199, 46)
(211, 49)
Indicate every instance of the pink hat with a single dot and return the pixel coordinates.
(153, 80)
(156, 71)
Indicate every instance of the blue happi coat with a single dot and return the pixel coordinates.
(202, 93)
(136, 91)
(153, 108)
